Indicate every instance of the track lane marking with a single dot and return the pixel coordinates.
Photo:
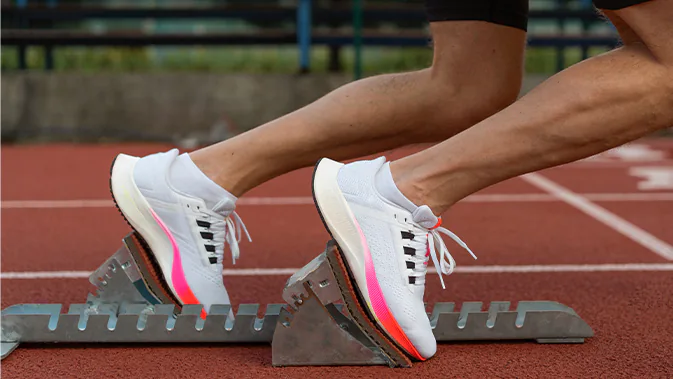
(307, 200)
(620, 225)
(496, 269)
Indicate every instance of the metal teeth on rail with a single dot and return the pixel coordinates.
(123, 310)
(137, 323)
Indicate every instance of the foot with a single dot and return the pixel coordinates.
(387, 248)
(186, 233)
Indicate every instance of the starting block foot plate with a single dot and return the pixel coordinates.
(314, 336)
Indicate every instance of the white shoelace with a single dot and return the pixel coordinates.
(227, 230)
(432, 240)
(435, 242)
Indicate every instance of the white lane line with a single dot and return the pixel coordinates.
(636, 267)
(307, 200)
(298, 200)
(601, 214)
(606, 267)
(45, 275)
(48, 204)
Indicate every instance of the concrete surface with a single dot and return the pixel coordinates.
(184, 108)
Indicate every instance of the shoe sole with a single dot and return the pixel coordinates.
(150, 272)
(144, 255)
(359, 313)
(336, 215)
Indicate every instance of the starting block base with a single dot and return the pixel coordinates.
(320, 324)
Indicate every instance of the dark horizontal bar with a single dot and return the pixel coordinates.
(64, 38)
(417, 14)
(77, 38)
(400, 12)
(251, 12)
(421, 41)
(579, 41)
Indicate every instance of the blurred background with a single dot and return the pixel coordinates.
(195, 72)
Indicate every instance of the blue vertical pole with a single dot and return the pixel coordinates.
(357, 38)
(587, 4)
(560, 50)
(49, 49)
(304, 34)
(22, 48)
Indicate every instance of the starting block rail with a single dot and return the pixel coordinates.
(318, 325)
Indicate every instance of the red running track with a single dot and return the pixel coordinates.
(559, 226)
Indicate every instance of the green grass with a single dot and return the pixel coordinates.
(249, 59)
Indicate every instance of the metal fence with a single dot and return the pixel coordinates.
(304, 23)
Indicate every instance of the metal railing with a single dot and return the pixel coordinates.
(25, 24)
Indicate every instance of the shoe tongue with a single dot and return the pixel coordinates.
(424, 217)
(380, 161)
(224, 207)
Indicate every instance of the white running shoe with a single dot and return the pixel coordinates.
(185, 237)
(387, 249)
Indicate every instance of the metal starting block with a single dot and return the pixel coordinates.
(323, 322)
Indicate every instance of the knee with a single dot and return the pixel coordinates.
(460, 104)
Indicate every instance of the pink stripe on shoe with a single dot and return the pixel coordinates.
(378, 303)
(177, 273)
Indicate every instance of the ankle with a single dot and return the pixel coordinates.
(417, 188)
(408, 184)
(187, 177)
(223, 172)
